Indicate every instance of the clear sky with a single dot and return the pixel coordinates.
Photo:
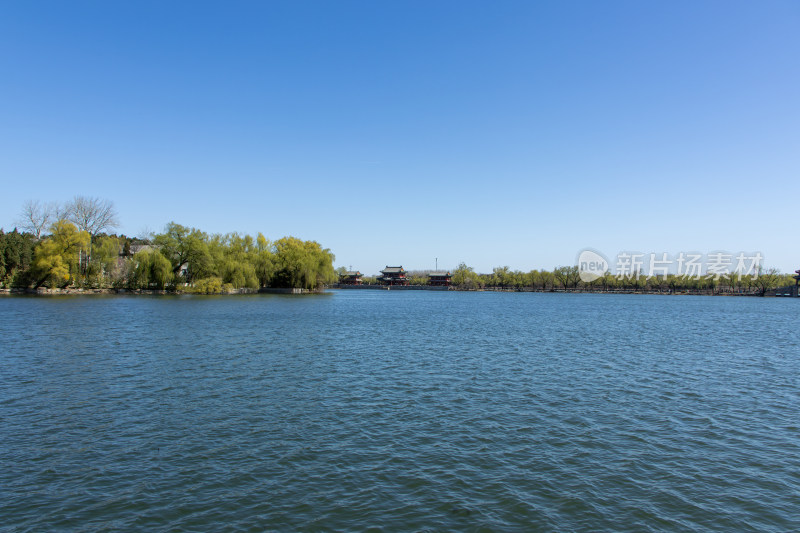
(494, 133)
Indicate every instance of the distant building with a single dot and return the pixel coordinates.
(439, 279)
(138, 248)
(393, 276)
(351, 277)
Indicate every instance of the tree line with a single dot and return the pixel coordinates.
(71, 245)
(568, 278)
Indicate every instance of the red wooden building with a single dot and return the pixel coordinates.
(351, 277)
(439, 279)
(393, 276)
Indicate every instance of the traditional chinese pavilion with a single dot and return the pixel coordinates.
(439, 279)
(351, 277)
(393, 276)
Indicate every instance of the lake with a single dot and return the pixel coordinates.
(400, 410)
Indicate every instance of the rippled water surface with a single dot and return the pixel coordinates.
(400, 411)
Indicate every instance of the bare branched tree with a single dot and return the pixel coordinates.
(36, 217)
(61, 211)
(92, 215)
(766, 279)
(145, 234)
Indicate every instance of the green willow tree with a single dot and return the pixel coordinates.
(232, 261)
(302, 264)
(56, 260)
(185, 248)
(151, 270)
(264, 263)
(465, 277)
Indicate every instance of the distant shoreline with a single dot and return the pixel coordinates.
(699, 292)
(156, 292)
(147, 292)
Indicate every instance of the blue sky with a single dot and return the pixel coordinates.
(509, 133)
